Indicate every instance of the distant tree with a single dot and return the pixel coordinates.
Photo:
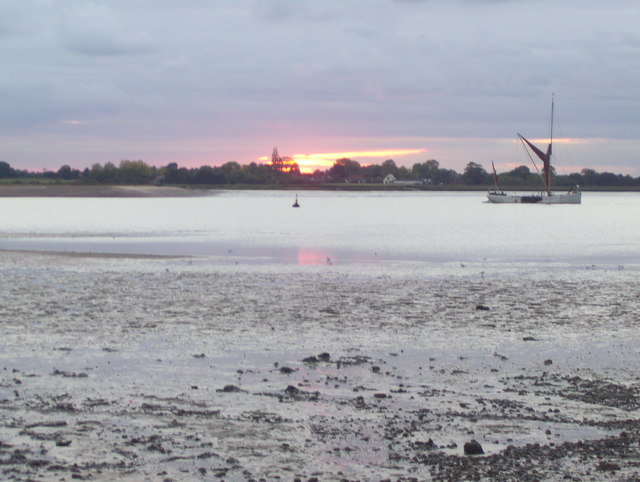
(589, 177)
(343, 168)
(404, 173)
(232, 172)
(64, 172)
(107, 174)
(182, 175)
(627, 180)
(372, 173)
(475, 174)
(283, 165)
(208, 175)
(574, 179)
(135, 172)
(608, 179)
(445, 177)
(260, 174)
(389, 167)
(522, 172)
(6, 170)
(67, 173)
(427, 170)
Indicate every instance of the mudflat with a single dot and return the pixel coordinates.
(148, 368)
(70, 190)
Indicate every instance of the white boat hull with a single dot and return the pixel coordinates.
(535, 198)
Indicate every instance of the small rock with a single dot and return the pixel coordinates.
(310, 359)
(482, 308)
(529, 338)
(375, 369)
(286, 370)
(605, 466)
(548, 362)
(199, 355)
(230, 389)
(473, 448)
(63, 442)
(324, 356)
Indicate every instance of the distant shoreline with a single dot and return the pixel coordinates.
(146, 191)
(74, 190)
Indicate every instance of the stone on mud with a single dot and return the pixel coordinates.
(230, 389)
(473, 448)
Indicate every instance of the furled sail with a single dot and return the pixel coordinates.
(544, 157)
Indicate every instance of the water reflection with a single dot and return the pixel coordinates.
(313, 257)
(334, 228)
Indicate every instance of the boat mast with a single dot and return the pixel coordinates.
(545, 157)
(547, 165)
(495, 177)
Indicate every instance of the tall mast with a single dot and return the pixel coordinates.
(551, 133)
(545, 157)
(547, 164)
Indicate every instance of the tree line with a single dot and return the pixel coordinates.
(285, 172)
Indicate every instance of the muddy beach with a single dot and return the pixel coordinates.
(89, 190)
(143, 368)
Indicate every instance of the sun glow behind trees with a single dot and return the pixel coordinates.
(308, 163)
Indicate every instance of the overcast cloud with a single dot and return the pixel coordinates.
(206, 82)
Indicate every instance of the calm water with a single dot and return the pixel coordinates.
(333, 227)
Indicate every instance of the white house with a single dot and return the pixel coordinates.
(389, 179)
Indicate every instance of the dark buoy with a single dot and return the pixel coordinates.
(295, 204)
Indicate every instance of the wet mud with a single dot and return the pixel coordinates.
(166, 369)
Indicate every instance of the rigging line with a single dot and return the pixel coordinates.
(524, 146)
(562, 161)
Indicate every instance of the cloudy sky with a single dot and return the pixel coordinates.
(210, 81)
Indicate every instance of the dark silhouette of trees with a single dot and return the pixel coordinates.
(6, 170)
(343, 170)
(283, 165)
(426, 171)
(67, 173)
(372, 173)
(522, 172)
(135, 172)
(475, 174)
(389, 167)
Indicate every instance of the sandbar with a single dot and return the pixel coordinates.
(76, 190)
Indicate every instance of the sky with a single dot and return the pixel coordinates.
(204, 82)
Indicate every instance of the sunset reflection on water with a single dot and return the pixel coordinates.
(313, 257)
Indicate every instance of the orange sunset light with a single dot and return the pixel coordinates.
(310, 162)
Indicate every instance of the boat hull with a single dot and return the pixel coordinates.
(537, 198)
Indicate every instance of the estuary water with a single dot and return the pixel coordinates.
(438, 228)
